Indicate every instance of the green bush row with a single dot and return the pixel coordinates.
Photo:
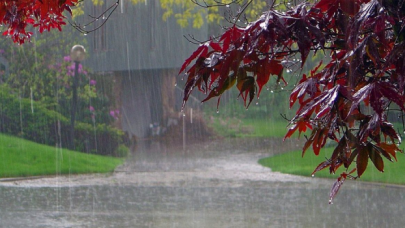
(33, 121)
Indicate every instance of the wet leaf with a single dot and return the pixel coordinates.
(215, 46)
(213, 59)
(306, 86)
(219, 90)
(321, 166)
(305, 42)
(339, 155)
(247, 87)
(372, 50)
(335, 188)
(391, 149)
(326, 100)
(271, 67)
(18, 16)
(338, 183)
(376, 159)
(362, 159)
(388, 130)
(300, 125)
(201, 51)
(317, 139)
(375, 91)
(232, 35)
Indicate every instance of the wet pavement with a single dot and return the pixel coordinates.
(215, 184)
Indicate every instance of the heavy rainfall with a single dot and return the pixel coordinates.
(118, 149)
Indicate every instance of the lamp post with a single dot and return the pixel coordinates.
(77, 54)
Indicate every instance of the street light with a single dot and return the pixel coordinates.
(77, 54)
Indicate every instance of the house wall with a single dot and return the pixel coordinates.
(144, 53)
(141, 101)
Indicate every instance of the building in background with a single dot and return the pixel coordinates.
(144, 54)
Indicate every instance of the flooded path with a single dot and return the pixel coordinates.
(217, 184)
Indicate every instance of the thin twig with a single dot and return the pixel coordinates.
(109, 11)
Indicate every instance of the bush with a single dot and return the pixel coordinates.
(121, 151)
(99, 139)
(33, 121)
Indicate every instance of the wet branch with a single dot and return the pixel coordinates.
(109, 11)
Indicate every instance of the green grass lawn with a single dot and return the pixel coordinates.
(20, 158)
(294, 163)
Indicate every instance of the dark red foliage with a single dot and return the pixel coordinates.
(345, 100)
(16, 15)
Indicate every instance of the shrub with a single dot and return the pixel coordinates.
(34, 121)
(121, 151)
(98, 139)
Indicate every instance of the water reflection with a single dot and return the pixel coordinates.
(211, 196)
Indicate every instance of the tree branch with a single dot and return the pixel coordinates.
(109, 11)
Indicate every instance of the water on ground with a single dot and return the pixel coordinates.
(212, 184)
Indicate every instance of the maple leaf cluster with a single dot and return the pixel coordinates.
(364, 40)
(16, 15)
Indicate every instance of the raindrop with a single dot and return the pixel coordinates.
(217, 111)
(257, 103)
(184, 114)
(175, 84)
(313, 175)
(227, 6)
(330, 201)
(85, 34)
(272, 91)
(104, 17)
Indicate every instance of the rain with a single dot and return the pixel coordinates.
(195, 166)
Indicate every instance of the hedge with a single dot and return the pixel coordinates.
(33, 121)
